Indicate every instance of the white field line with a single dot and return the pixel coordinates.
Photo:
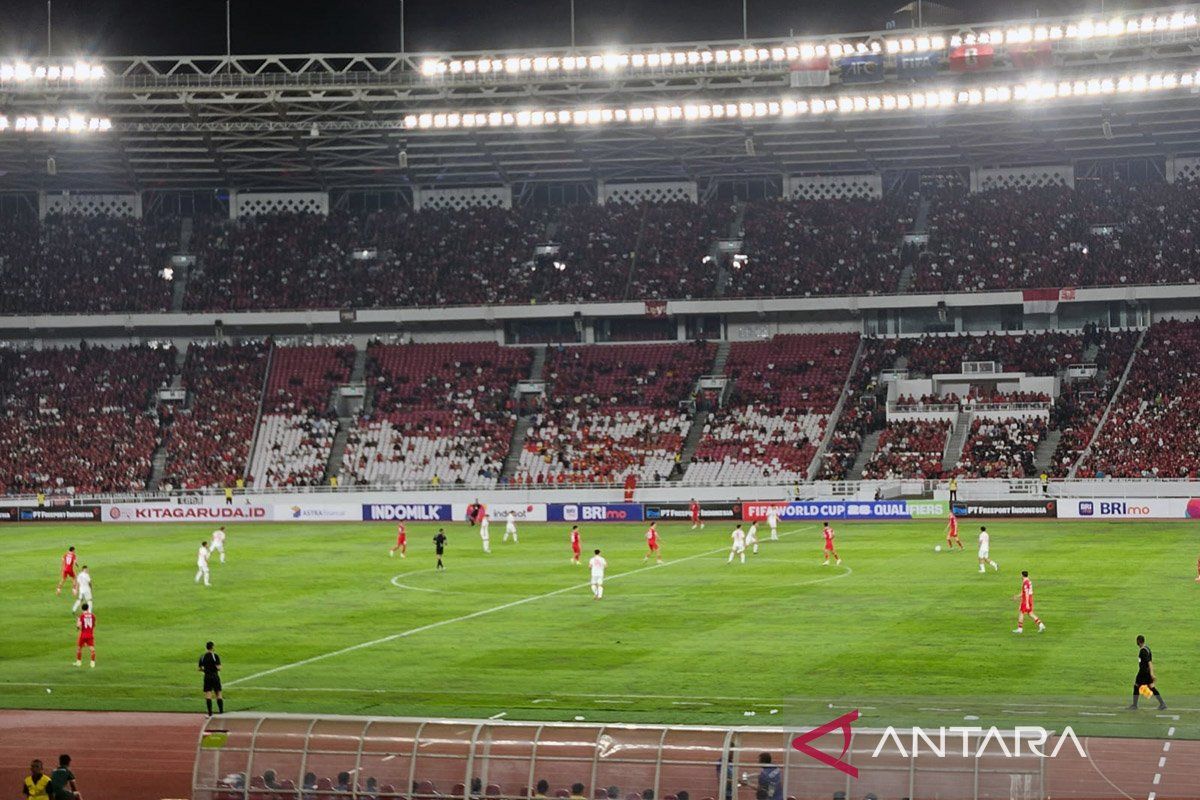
(493, 610)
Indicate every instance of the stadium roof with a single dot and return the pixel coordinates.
(327, 121)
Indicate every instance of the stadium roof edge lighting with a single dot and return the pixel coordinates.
(53, 123)
(1034, 91)
(930, 40)
(21, 71)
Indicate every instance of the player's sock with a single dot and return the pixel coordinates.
(208, 703)
(981, 568)
(599, 591)
(222, 558)
(743, 556)
(995, 566)
(220, 705)
(78, 662)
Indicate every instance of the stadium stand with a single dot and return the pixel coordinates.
(80, 420)
(1003, 448)
(1153, 429)
(613, 411)
(440, 413)
(783, 393)
(70, 263)
(298, 422)
(209, 440)
(909, 449)
(864, 409)
(803, 247)
(675, 239)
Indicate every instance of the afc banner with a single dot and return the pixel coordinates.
(846, 509)
(594, 512)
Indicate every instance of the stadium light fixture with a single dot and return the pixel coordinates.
(785, 52)
(55, 72)
(51, 123)
(793, 106)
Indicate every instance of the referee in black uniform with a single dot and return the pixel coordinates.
(1145, 676)
(210, 665)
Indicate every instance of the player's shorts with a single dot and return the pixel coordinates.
(440, 552)
(597, 579)
(575, 549)
(652, 545)
(751, 538)
(86, 640)
(1027, 608)
(739, 548)
(829, 547)
(218, 548)
(401, 541)
(85, 597)
(68, 572)
(952, 535)
(212, 683)
(983, 552)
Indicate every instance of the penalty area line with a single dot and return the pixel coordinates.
(482, 613)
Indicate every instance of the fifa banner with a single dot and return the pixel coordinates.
(1130, 508)
(846, 509)
(317, 512)
(169, 512)
(50, 514)
(407, 512)
(593, 512)
(498, 512)
(1005, 508)
(683, 511)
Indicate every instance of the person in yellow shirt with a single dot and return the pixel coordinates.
(36, 785)
(41, 499)
(228, 496)
(953, 489)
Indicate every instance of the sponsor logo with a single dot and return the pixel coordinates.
(415, 512)
(1193, 508)
(669, 511)
(594, 512)
(187, 513)
(1119, 508)
(1002, 508)
(570, 513)
(55, 514)
(320, 512)
(1086, 508)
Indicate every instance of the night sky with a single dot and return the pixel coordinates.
(162, 27)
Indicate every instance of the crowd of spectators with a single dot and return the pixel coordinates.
(1002, 448)
(1045, 353)
(208, 441)
(613, 411)
(1154, 427)
(909, 449)
(440, 413)
(784, 390)
(74, 264)
(81, 419)
(299, 421)
(822, 247)
(864, 410)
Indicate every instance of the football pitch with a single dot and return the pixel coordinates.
(318, 618)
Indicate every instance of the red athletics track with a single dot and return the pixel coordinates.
(133, 756)
(115, 755)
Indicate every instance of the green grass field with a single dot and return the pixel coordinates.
(907, 635)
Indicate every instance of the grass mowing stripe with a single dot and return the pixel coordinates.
(486, 611)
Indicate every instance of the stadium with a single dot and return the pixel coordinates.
(742, 418)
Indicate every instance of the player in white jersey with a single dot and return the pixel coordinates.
(597, 564)
(752, 537)
(739, 544)
(773, 522)
(984, 550)
(510, 527)
(218, 542)
(202, 563)
(84, 581)
(483, 532)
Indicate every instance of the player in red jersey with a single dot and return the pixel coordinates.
(1198, 570)
(1026, 599)
(952, 533)
(652, 544)
(87, 635)
(576, 545)
(694, 508)
(401, 542)
(68, 570)
(827, 532)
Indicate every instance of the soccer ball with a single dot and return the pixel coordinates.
(937, 548)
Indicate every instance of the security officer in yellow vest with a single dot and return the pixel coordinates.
(953, 488)
(1045, 483)
(37, 784)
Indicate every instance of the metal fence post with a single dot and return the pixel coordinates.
(658, 762)
(466, 795)
(250, 758)
(362, 740)
(412, 762)
(537, 735)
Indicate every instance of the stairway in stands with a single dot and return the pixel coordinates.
(516, 442)
(920, 226)
(869, 444)
(1045, 452)
(179, 286)
(696, 429)
(158, 463)
(1112, 403)
(333, 466)
(958, 438)
(734, 232)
